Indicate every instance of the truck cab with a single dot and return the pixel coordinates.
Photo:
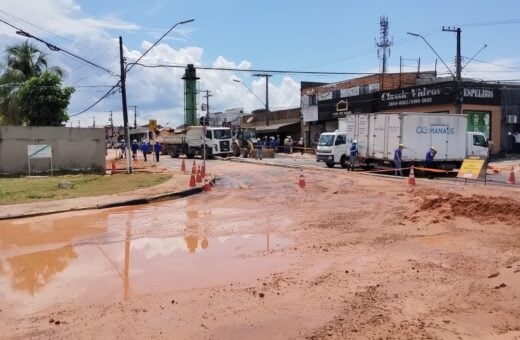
(476, 144)
(218, 141)
(333, 149)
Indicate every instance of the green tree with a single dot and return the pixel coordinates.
(43, 102)
(22, 62)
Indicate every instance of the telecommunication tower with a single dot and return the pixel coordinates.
(384, 43)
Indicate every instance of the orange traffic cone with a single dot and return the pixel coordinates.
(411, 178)
(207, 186)
(512, 179)
(199, 177)
(193, 168)
(113, 171)
(203, 170)
(301, 182)
(183, 166)
(192, 181)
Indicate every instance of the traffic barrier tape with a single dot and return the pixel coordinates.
(407, 168)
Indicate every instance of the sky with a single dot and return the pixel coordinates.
(251, 37)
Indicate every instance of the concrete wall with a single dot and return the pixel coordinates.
(73, 149)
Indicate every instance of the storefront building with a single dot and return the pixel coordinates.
(491, 108)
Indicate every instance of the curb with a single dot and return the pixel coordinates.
(134, 201)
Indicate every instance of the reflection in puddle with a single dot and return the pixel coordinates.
(37, 280)
(119, 253)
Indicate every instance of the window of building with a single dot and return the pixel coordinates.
(336, 94)
(363, 89)
(312, 100)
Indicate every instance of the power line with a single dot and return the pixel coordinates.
(55, 34)
(495, 64)
(108, 93)
(254, 70)
(493, 23)
(53, 47)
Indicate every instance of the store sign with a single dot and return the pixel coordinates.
(430, 95)
(414, 96)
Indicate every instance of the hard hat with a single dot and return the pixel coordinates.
(431, 147)
(354, 141)
(134, 141)
(401, 145)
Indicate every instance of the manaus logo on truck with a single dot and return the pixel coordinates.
(435, 130)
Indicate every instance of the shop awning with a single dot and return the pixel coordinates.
(277, 126)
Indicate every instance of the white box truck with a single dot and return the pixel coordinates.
(379, 134)
(190, 142)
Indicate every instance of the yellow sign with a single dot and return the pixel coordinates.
(472, 167)
(152, 124)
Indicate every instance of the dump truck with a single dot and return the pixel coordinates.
(190, 141)
(379, 134)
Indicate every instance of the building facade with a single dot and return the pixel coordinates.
(492, 108)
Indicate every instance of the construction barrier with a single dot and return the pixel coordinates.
(113, 170)
(199, 175)
(207, 186)
(411, 178)
(301, 181)
(192, 180)
(512, 179)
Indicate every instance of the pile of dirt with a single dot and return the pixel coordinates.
(448, 205)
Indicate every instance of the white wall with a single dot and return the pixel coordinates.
(74, 149)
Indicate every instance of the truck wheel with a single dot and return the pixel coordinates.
(343, 162)
(173, 152)
(329, 164)
(236, 150)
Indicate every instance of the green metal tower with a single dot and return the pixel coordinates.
(190, 95)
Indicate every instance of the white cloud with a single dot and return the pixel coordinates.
(157, 92)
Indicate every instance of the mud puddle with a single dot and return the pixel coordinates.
(89, 272)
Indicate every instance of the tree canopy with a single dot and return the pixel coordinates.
(43, 101)
(23, 63)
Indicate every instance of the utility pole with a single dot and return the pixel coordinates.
(207, 102)
(112, 127)
(458, 63)
(204, 124)
(135, 115)
(125, 108)
(266, 76)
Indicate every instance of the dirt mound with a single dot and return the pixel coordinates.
(448, 205)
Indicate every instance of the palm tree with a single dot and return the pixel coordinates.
(22, 62)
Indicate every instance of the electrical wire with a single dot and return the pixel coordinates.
(253, 70)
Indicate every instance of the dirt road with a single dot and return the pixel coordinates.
(349, 256)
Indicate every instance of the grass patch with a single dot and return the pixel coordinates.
(24, 190)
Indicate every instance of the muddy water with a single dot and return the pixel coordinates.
(120, 253)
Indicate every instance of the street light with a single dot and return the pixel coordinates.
(254, 94)
(266, 76)
(431, 47)
(124, 71)
(458, 103)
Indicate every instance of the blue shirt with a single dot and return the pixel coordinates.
(157, 147)
(429, 156)
(144, 147)
(353, 150)
(398, 154)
